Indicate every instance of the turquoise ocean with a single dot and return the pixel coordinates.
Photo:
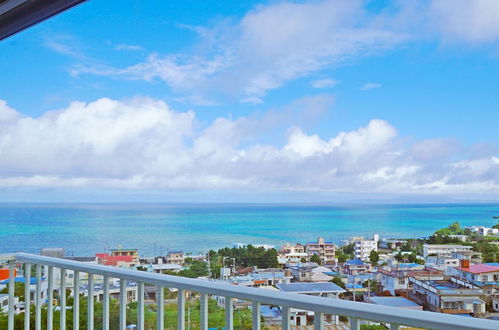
(85, 229)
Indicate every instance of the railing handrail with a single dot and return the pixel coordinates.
(352, 309)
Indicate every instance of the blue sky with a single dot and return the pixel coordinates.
(253, 101)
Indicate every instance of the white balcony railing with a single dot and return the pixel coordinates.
(355, 311)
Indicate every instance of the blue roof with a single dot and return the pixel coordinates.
(354, 286)
(20, 280)
(492, 264)
(355, 262)
(267, 311)
(410, 265)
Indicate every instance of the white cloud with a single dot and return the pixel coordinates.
(324, 83)
(128, 47)
(370, 85)
(255, 55)
(143, 144)
(473, 21)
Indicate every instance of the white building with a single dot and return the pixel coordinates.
(483, 231)
(363, 247)
(443, 250)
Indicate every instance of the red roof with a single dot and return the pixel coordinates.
(108, 260)
(480, 268)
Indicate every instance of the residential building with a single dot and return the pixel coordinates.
(447, 296)
(292, 254)
(392, 244)
(483, 231)
(396, 281)
(484, 276)
(473, 256)
(356, 266)
(363, 247)
(307, 273)
(175, 257)
(442, 263)
(301, 317)
(125, 252)
(443, 250)
(123, 261)
(325, 250)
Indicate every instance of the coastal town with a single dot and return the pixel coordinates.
(453, 271)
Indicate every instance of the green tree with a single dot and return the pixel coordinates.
(338, 281)
(18, 290)
(374, 257)
(315, 258)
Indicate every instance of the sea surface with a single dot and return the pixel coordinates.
(85, 229)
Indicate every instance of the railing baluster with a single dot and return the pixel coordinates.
(181, 309)
(62, 299)
(76, 300)
(27, 295)
(12, 282)
(354, 323)
(90, 302)
(256, 315)
(38, 298)
(318, 320)
(123, 299)
(203, 305)
(285, 318)
(105, 305)
(140, 307)
(160, 303)
(229, 314)
(50, 299)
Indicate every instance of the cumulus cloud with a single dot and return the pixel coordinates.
(144, 144)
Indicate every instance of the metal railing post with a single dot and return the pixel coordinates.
(12, 283)
(76, 300)
(285, 318)
(229, 313)
(181, 309)
(318, 320)
(203, 306)
(38, 298)
(105, 305)
(255, 309)
(160, 303)
(123, 301)
(62, 299)
(140, 307)
(27, 296)
(50, 298)
(354, 323)
(90, 302)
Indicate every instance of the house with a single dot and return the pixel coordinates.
(483, 231)
(484, 276)
(292, 254)
(396, 281)
(442, 263)
(363, 247)
(175, 257)
(447, 296)
(325, 250)
(392, 244)
(301, 317)
(4, 303)
(123, 261)
(473, 256)
(126, 252)
(443, 250)
(311, 273)
(356, 266)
